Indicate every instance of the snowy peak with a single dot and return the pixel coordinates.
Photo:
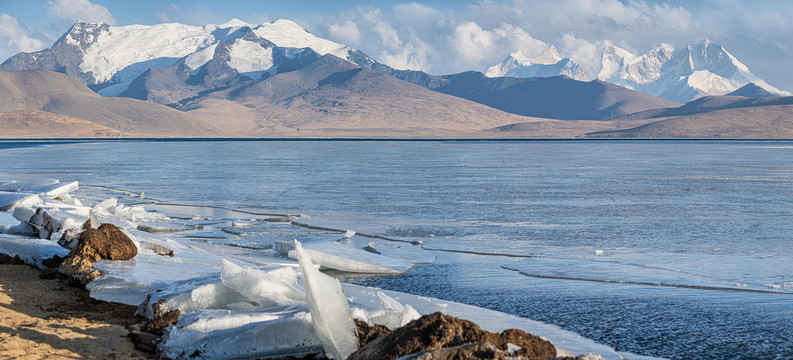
(547, 64)
(83, 34)
(548, 57)
(700, 69)
(109, 58)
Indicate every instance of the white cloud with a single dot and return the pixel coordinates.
(517, 38)
(471, 42)
(584, 53)
(478, 35)
(162, 17)
(346, 32)
(74, 10)
(15, 37)
(400, 48)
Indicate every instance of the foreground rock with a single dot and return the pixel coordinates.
(106, 242)
(439, 331)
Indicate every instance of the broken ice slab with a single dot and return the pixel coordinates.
(31, 251)
(333, 255)
(268, 287)
(11, 200)
(160, 228)
(752, 272)
(330, 312)
(49, 219)
(405, 252)
(290, 335)
(48, 187)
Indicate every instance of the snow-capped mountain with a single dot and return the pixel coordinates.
(680, 75)
(109, 58)
(547, 64)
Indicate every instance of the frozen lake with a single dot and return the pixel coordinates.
(679, 249)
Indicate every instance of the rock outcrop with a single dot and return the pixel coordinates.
(456, 336)
(106, 242)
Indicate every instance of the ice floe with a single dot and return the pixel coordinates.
(236, 301)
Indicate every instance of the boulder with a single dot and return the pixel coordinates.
(367, 334)
(436, 331)
(106, 242)
(531, 346)
(481, 350)
(161, 318)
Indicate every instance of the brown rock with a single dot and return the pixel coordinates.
(531, 346)
(157, 249)
(106, 242)
(161, 318)
(429, 332)
(5, 259)
(109, 242)
(436, 331)
(53, 262)
(367, 334)
(481, 350)
(144, 341)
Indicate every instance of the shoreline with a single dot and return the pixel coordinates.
(49, 319)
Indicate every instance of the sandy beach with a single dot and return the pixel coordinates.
(47, 319)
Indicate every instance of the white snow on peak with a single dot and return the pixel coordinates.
(548, 63)
(548, 57)
(200, 57)
(287, 33)
(701, 69)
(117, 55)
(251, 59)
(235, 23)
(143, 45)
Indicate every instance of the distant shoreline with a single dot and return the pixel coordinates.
(55, 141)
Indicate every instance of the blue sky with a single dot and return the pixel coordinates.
(451, 36)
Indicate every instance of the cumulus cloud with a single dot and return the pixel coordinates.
(396, 45)
(516, 38)
(584, 53)
(346, 32)
(74, 10)
(471, 42)
(480, 34)
(15, 37)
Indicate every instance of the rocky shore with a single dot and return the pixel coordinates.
(274, 310)
(53, 317)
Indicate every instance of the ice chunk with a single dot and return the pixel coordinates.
(410, 253)
(337, 256)
(31, 251)
(48, 187)
(330, 311)
(108, 205)
(27, 185)
(349, 233)
(268, 288)
(215, 335)
(11, 200)
(210, 296)
(51, 220)
(396, 314)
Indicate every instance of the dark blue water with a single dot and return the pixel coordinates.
(704, 206)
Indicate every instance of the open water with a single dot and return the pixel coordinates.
(679, 249)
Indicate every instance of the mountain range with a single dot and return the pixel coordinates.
(277, 79)
(679, 75)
